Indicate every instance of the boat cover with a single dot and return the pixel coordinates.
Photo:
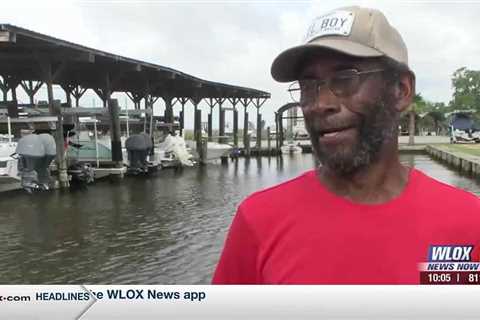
(31, 145)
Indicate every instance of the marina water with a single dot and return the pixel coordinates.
(164, 229)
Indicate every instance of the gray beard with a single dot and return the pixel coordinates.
(378, 126)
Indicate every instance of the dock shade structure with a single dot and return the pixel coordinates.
(31, 60)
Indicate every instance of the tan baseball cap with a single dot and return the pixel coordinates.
(355, 31)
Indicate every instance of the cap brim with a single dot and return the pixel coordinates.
(286, 64)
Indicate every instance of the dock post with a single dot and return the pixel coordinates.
(247, 145)
(221, 122)
(183, 101)
(235, 127)
(198, 134)
(222, 139)
(196, 123)
(280, 131)
(245, 130)
(209, 129)
(259, 131)
(277, 144)
(115, 133)
(151, 101)
(181, 122)
(269, 141)
(13, 84)
(60, 146)
(203, 151)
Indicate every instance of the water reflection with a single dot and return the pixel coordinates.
(165, 229)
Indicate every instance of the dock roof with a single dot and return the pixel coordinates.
(22, 50)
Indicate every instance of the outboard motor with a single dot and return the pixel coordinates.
(82, 174)
(148, 143)
(50, 153)
(31, 152)
(138, 148)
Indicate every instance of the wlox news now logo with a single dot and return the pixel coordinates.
(450, 253)
(452, 258)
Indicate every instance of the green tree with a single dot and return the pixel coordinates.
(466, 86)
(418, 106)
(438, 116)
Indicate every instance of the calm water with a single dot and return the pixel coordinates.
(166, 229)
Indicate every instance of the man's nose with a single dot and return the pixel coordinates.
(326, 103)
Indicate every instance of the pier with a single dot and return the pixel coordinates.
(30, 60)
(462, 160)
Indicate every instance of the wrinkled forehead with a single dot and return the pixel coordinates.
(318, 63)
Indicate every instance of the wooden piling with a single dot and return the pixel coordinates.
(197, 131)
(235, 127)
(209, 128)
(181, 122)
(277, 143)
(115, 134)
(245, 130)
(259, 131)
(247, 145)
(221, 129)
(269, 141)
(280, 132)
(60, 146)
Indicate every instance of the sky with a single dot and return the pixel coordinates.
(235, 42)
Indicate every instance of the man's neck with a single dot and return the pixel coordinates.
(377, 183)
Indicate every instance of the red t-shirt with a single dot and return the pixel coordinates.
(298, 232)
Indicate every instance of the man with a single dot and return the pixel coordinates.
(361, 217)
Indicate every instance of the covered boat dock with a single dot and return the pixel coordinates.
(31, 60)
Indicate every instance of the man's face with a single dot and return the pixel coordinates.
(347, 132)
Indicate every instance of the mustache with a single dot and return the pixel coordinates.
(317, 126)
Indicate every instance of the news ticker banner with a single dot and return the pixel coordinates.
(238, 302)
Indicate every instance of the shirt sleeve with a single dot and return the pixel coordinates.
(238, 261)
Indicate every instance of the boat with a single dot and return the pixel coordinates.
(297, 132)
(173, 151)
(217, 150)
(8, 163)
(463, 129)
(167, 154)
(291, 148)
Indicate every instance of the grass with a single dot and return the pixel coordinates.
(471, 149)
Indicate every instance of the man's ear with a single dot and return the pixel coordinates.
(404, 91)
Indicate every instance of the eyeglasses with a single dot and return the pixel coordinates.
(343, 83)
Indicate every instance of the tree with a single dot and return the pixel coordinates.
(418, 106)
(466, 86)
(437, 113)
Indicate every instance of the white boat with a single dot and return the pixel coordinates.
(300, 134)
(170, 153)
(8, 164)
(215, 150)
(291, 148)
(173, 151)
(463, 128)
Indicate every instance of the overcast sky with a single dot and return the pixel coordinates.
(235, 41)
